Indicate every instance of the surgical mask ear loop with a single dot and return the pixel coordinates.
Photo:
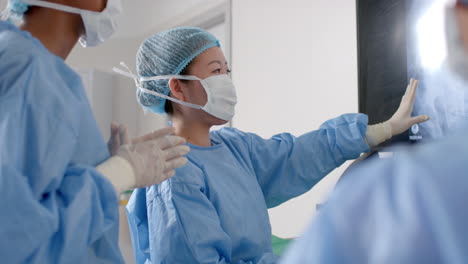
(138, 81)
(195, 106)
(127, 73)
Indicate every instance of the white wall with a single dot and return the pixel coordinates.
(295, 65)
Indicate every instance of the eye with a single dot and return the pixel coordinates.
(217, 71)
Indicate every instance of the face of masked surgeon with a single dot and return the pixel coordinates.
(457, 38)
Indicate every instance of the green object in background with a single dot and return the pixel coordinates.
(279, 245)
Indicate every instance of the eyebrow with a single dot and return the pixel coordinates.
(217, 61)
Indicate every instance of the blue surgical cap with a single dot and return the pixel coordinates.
(169, 53)
(17, 8)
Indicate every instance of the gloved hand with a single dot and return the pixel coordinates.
(402, 120)
(399, 122)
(154, 157)
(119, 136)
(145, 161)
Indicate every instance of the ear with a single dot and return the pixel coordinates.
(177, 89)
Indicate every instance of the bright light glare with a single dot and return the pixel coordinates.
(431, 36)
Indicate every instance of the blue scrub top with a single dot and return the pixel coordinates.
(56, 208)
(409, 209)
(214, 210)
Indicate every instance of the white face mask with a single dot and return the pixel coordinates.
(99, 26)
(220, 90)
(456, 56)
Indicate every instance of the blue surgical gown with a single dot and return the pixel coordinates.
(410, 209)
(214, 210)
(55, 207)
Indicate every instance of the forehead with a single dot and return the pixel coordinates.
(211, 54)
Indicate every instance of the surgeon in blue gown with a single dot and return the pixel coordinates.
(58, 183)
(409, 209)
(214, 210)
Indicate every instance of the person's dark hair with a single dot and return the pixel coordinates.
(168, 106)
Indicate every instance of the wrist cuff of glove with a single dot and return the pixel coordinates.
(377, 134)
(119, 172)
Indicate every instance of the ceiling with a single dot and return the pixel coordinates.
(142, 16)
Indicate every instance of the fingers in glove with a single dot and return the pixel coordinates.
(166, 176)
(170, 141)
(154, 135)
(408, 91)
(176, 152)
(114, 132)
(419, 119)
(114, 129)
(412, 94)
(175, 163)
(405, 96)
(169, 174)
(123, 135)
(114, 140)
(407, 101)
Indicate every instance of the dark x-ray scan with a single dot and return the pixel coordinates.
(403, 39)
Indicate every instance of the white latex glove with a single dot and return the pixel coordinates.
(399, 122)
(146, 161)
(402, 120)
(155, 156)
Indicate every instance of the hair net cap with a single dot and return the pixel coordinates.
(169, 53)
(17, 8)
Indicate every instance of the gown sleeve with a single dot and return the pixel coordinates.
(53, 210)
(288, 166)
